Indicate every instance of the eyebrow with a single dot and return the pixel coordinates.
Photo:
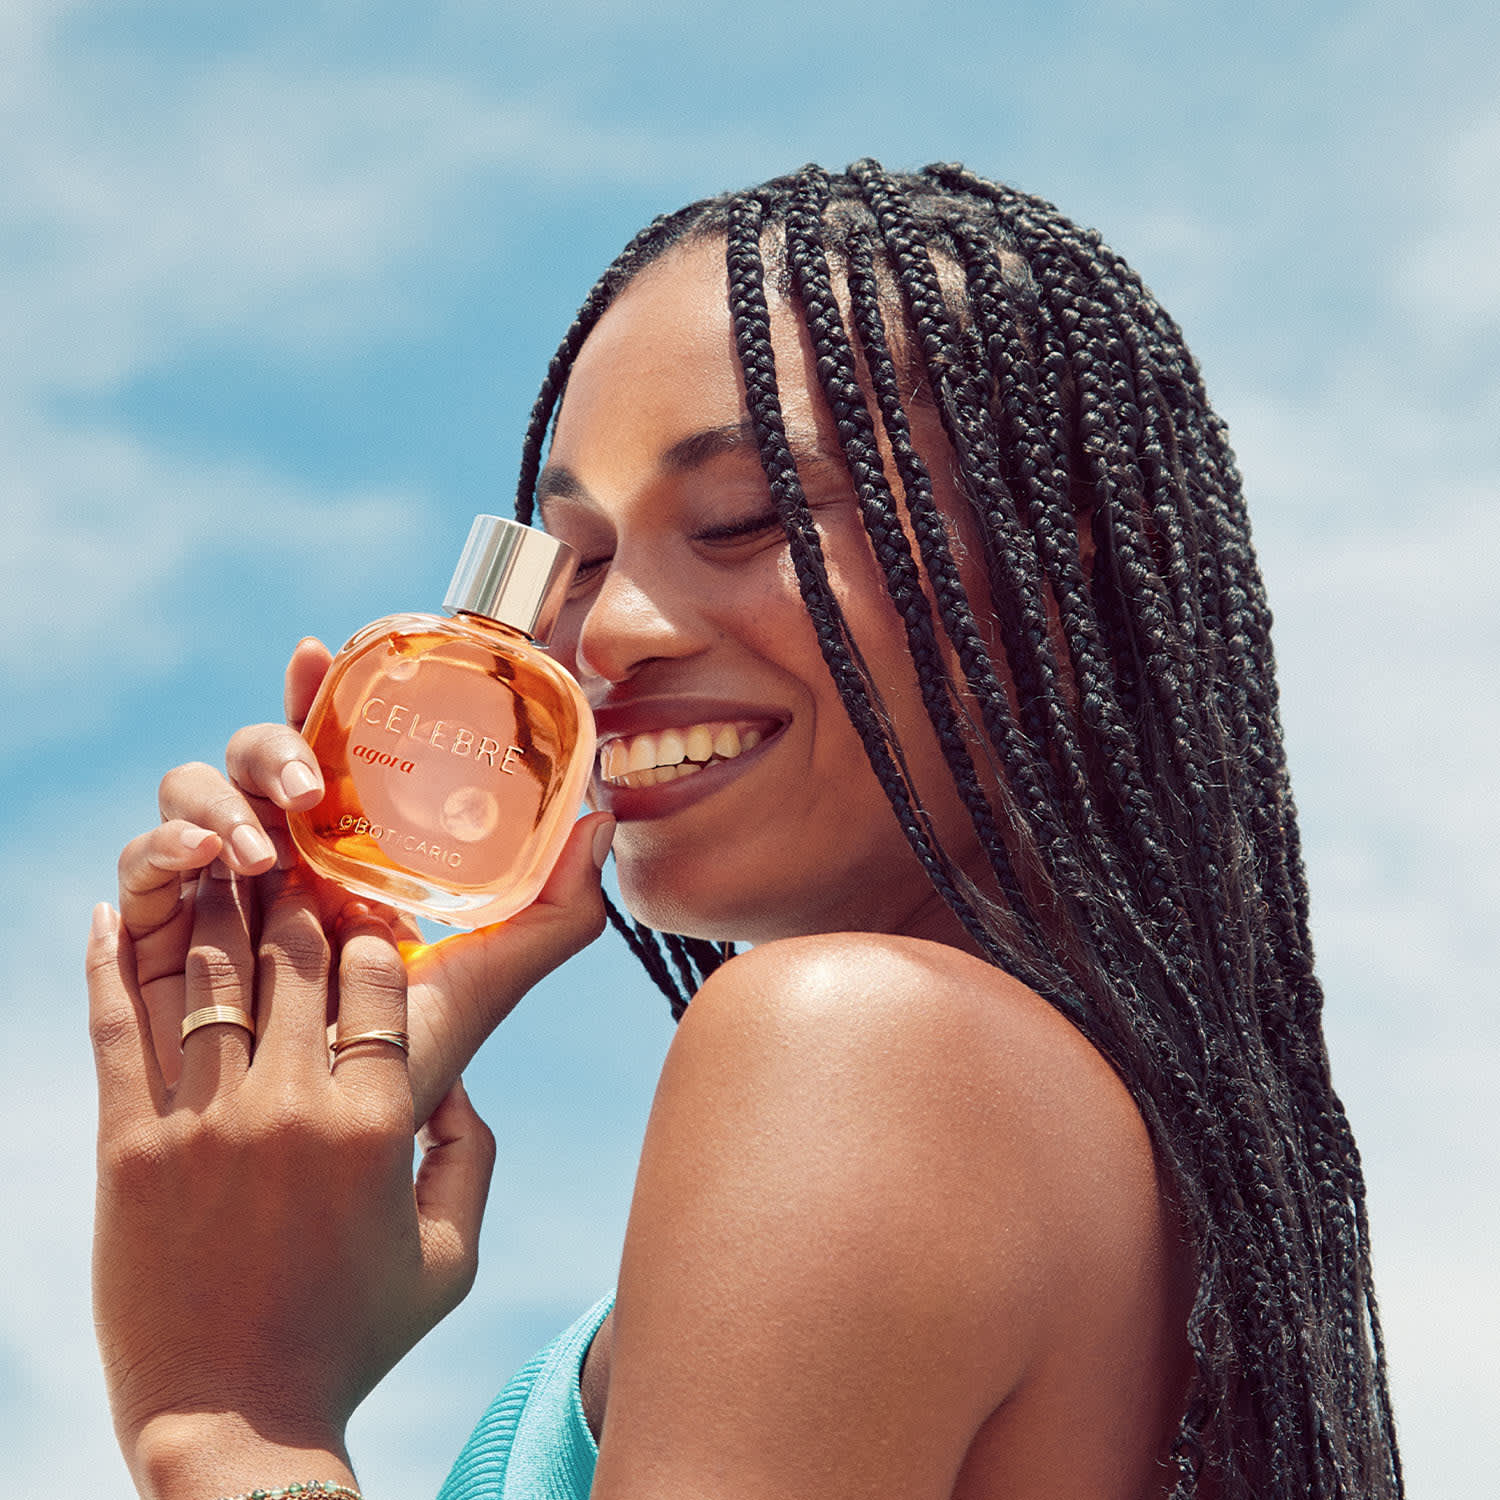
(689, 453)
(699, 448)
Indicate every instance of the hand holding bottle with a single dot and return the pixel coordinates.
(460, 989)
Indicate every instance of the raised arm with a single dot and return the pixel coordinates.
(263, 1254)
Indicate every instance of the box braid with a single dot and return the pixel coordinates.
(1134, 802)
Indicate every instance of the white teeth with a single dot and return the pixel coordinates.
(670, 748)
(655, 775)
(642, 753)
(648, 759)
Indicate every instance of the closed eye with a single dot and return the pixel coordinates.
(587, 570)
(735, 531)
(762, 524)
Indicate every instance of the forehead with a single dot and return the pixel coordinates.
(660, 364)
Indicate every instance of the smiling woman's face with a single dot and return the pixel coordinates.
(688, 632)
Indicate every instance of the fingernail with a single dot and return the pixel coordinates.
(252, 846)
(297, 779)
(193, 839)
(604, 836)
(103, 923)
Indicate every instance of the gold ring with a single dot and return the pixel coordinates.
(343, 1043)
(210, 1014)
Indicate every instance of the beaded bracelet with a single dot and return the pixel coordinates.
(312, 1487)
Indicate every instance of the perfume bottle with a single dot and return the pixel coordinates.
(455, 752)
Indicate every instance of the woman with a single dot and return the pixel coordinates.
(1006, 1161)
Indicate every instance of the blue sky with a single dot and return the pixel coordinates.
(280, 281)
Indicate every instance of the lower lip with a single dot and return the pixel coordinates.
(668, 797)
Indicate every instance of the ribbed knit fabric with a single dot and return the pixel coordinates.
(534, 1442)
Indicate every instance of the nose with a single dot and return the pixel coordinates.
(636, 615)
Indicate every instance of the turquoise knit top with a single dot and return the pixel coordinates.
(534, 1443)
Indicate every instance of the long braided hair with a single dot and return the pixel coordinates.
(1142, 838)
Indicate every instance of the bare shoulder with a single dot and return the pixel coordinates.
(948, 1037)
(876, 1175)
(951, 1069)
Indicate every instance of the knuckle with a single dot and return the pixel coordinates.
(210, 970)
(484, 1143)
(292, 940)
(200, 793)
(582, 925)
(255, 746)
(248, 738)
(287, 1117)
(130, 1158)
(182, 777)
(452, 1260)
(135, 853)
(593, 928)
(188, 770)
(224, 804)
(375, 968)
(113, 1029)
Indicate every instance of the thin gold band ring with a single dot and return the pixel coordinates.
(212, 1014)
(343, 1043)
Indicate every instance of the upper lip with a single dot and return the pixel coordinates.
(651, 715)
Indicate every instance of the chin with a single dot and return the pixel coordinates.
(757, 889)
(690, 916)
(728, 916)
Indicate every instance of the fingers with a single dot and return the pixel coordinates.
(270, 770)
(158, 874)
(155, 868)
(369, 1038)
(198, 794)
(293, 973)
(573, 885)
(130, 1083)
(453, 1182)
(304, 676)
(272, 763)
(219, 972)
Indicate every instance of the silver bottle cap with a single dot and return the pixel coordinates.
(512, 573)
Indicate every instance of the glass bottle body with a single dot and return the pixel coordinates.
(455, 755)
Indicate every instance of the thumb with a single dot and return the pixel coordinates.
(470, 982)
(452, 1184)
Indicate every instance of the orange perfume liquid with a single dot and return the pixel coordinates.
(455, 755)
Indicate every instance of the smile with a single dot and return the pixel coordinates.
(641, 760)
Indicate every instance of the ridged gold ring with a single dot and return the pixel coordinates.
(210, 1014)
(343, 1043)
